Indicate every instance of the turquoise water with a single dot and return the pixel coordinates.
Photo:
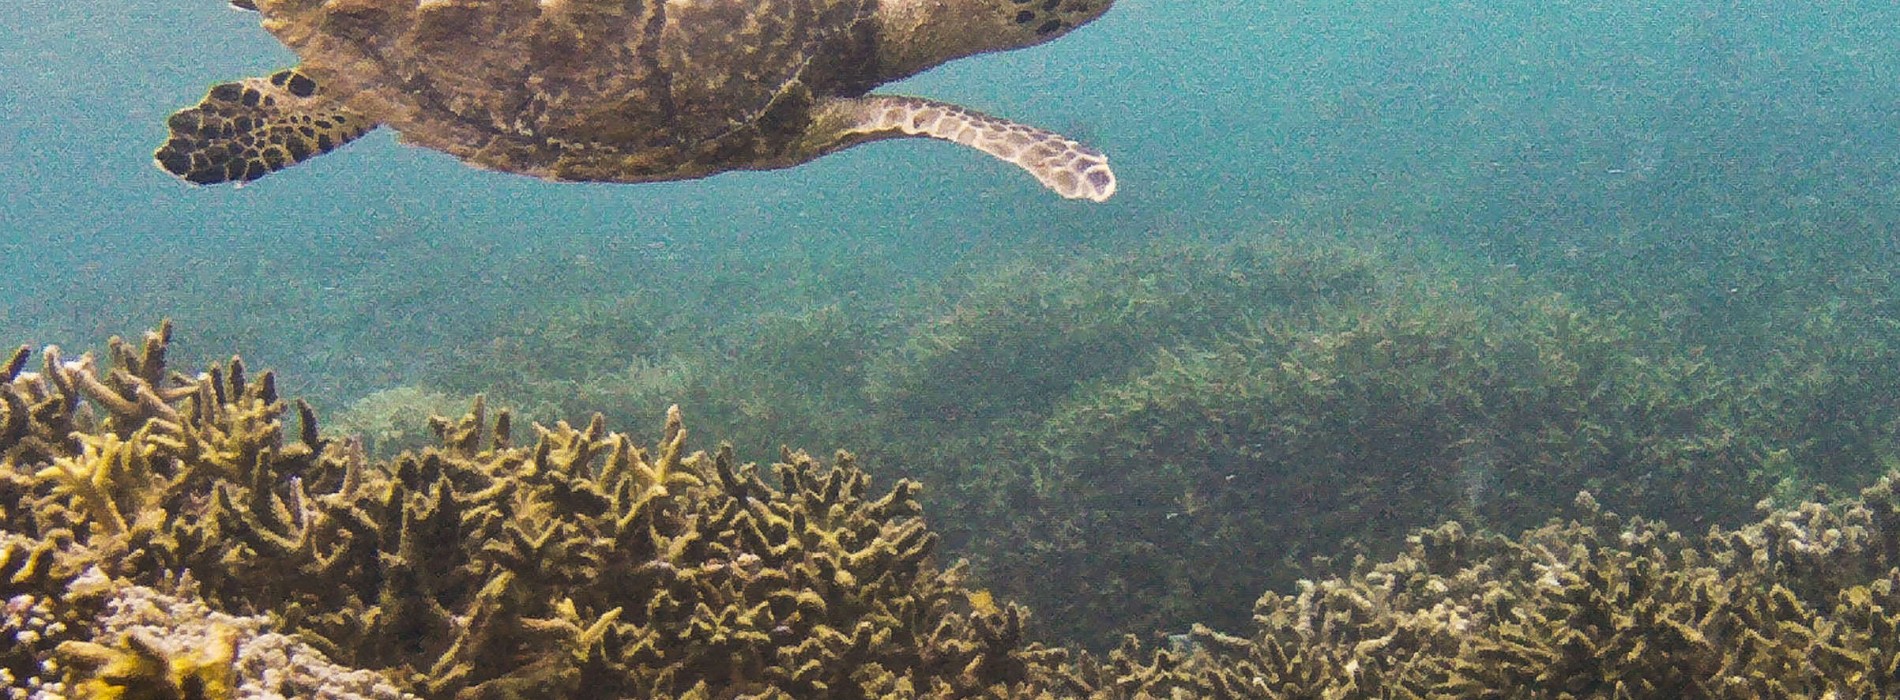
(1513, 127)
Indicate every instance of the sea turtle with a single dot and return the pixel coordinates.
(623, 90)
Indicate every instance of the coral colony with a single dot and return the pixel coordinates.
(165, 535)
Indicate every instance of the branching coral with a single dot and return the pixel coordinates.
(138, 670)
(1602, 607)
(585, 564)
(1352, 426)
(36, 410)
(487, 568)
(96, 478)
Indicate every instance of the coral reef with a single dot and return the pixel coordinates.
(1802, 604)
(1112, 420)
(171, 645)
(393, 420)
(770, 379)
(1353, 397)
(1120, 419)
(1030, 333)
(180, 543)
(479, 568)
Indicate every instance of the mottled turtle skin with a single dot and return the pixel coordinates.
(623, 90)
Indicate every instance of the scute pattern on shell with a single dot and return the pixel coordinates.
(623, 90)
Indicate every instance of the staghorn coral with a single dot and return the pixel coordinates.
(486, 569)
(392, 420)
(170, 645)
(1353, 426)
(138, 668)
(1598, 607)
(580, 563)
(1080, 414)
(37, 420)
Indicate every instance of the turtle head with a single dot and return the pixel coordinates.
(916, 35)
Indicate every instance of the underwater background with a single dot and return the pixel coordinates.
(1373, 265)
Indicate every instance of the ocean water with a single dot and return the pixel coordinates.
(1730, 162)
(1492, 124)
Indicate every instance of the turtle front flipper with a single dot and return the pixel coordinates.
(1071, 169)
(245, 130)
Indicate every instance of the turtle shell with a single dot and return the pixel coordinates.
(626, 90)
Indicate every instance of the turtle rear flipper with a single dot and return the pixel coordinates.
(247, 129)
(1062, 164)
